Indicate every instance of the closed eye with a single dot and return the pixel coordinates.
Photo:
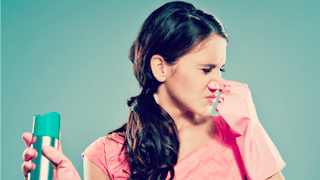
(223, 68)
(209, 68)
(206, 70)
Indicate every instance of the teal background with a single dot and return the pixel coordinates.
(71, 57)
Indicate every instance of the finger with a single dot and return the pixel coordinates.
(27, 167)
(215, 85)
(28, 138)
(29, 154)
(224, 86)
(59, 144)
(221, 99)
(55, 155)
(229, 83)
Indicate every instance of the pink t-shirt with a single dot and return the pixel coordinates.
(219, 159)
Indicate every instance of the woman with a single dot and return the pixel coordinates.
(178, 59)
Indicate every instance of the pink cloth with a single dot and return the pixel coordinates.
(219, 159)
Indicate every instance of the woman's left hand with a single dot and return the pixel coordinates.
(260, 156)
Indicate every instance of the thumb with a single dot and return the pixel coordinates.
(56, 156)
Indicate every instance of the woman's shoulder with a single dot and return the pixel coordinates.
(109, 143)
(106, 152)
(117, 138)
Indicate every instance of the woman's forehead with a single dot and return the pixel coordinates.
(211, 51)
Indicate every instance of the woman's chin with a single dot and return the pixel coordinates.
(205, 112)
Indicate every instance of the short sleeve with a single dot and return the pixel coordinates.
(106, 153)
(97, 154)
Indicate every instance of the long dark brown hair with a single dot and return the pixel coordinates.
(151, 136)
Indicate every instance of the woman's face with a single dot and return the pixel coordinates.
(187, 86)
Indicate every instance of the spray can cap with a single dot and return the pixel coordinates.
(46, 125)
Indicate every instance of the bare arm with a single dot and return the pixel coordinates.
(277, 176)
(92, 171)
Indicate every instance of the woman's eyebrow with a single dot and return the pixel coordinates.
(211, 65)
(208, 65)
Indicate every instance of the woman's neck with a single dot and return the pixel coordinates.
(182, 118)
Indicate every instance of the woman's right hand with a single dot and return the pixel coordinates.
(63, 168)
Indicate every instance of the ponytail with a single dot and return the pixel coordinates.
(151, 139)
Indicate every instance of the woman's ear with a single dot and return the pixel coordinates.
(159, 67)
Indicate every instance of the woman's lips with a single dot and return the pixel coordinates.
(211, 98)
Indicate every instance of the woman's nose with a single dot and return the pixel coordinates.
(217, 76)
(213, 85)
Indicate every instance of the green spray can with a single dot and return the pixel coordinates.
(46, 128)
